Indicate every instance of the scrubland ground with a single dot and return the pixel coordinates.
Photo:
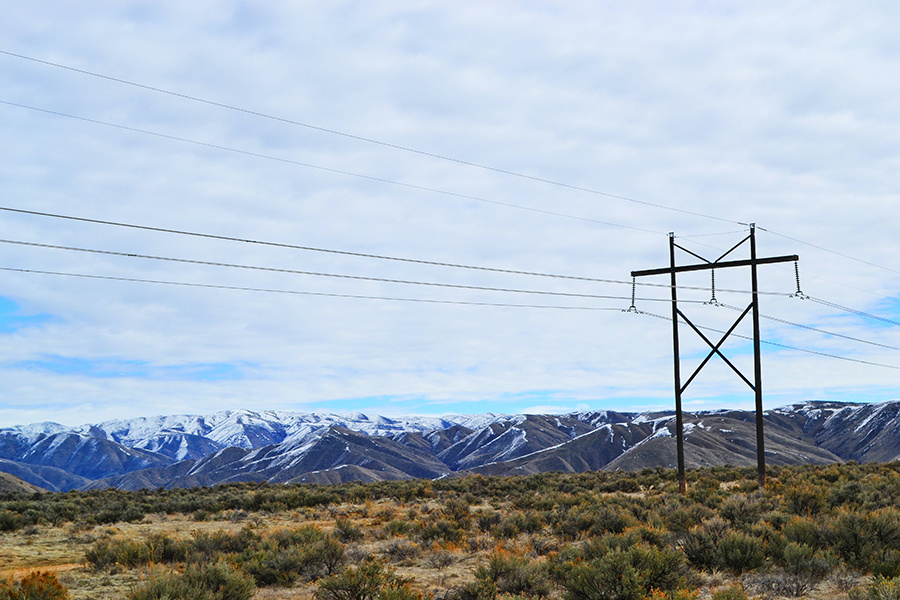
(821, 533)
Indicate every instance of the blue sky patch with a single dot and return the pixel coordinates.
(107, 368)
(12, 320)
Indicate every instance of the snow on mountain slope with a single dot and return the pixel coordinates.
(278, 446)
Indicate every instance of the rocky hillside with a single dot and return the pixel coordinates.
(181, 451)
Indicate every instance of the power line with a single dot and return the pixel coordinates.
(359, 254)
(321, 274)
(835, 252)
(306, 248)
(816, 329)
(820, 278)
(303, 293)
(786, 347)
(321, 168)
(854, 311)
(414, 151)
(364, 139)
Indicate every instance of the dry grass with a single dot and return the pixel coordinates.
(434, 567)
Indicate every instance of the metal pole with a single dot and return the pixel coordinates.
(679, 421)
(757, 364)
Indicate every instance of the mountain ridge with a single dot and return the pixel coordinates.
(289, 447)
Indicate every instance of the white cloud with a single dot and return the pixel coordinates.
(781, 114)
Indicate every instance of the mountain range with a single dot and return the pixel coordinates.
(288, 447)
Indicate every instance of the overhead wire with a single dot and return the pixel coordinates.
(780, 345)
(810, 275)
(303, 293)
(325, 169)
(835, 252)
(323, 274)
(816, 329)
(423, 188)
(408, 149)
(362, 138)
(853, 311)
(359, 254)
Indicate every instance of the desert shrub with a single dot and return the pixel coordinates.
(700, 549)
(849, 536)
(106, 554)
(330, 558)
(701, 542)
(299, 536)
(399, 527)
(222, 580)
(368, 581)
(731, 592)
(516, 575)
(206, 546)
(681, 519)
(880, 589)
(163, 549)
(272, 565)
(738, 552)
(528, 521)
(849, 493)
(801, 560)
(10, 521)
(211, 581)
(480, 589)
(885, 563)
(487, 519)
(778, 583)
(804, 530)
(625, 575)
(804, 499)
(740, 510)
(346, 531)
(117, 512)
(441, 529)
(33, 586)
(401, 550)
(440, 559)
(457, 510)
(885, 527)
(592, 520)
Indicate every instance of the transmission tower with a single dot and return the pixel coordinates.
(752, 308)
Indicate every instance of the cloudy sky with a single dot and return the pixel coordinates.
(549, 137)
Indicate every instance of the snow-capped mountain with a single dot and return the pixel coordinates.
(245, 445)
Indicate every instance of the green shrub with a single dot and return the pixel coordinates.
(881, 589)
(457, 510)
(738, 552)
(480, 589)
(10, 521)
(802, 561)
(346, 531)
(368, 581)
(625, 574)
(487, 519)
(741, 510)
(849, 536)
(804, 499)
(223, 581)
(401, 550)
(731, 592)
(399, 527)
(106, 554)
(516, 575)
(441, 529)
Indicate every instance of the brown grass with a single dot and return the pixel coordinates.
(435, 568)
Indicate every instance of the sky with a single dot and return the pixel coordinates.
(566, 139)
